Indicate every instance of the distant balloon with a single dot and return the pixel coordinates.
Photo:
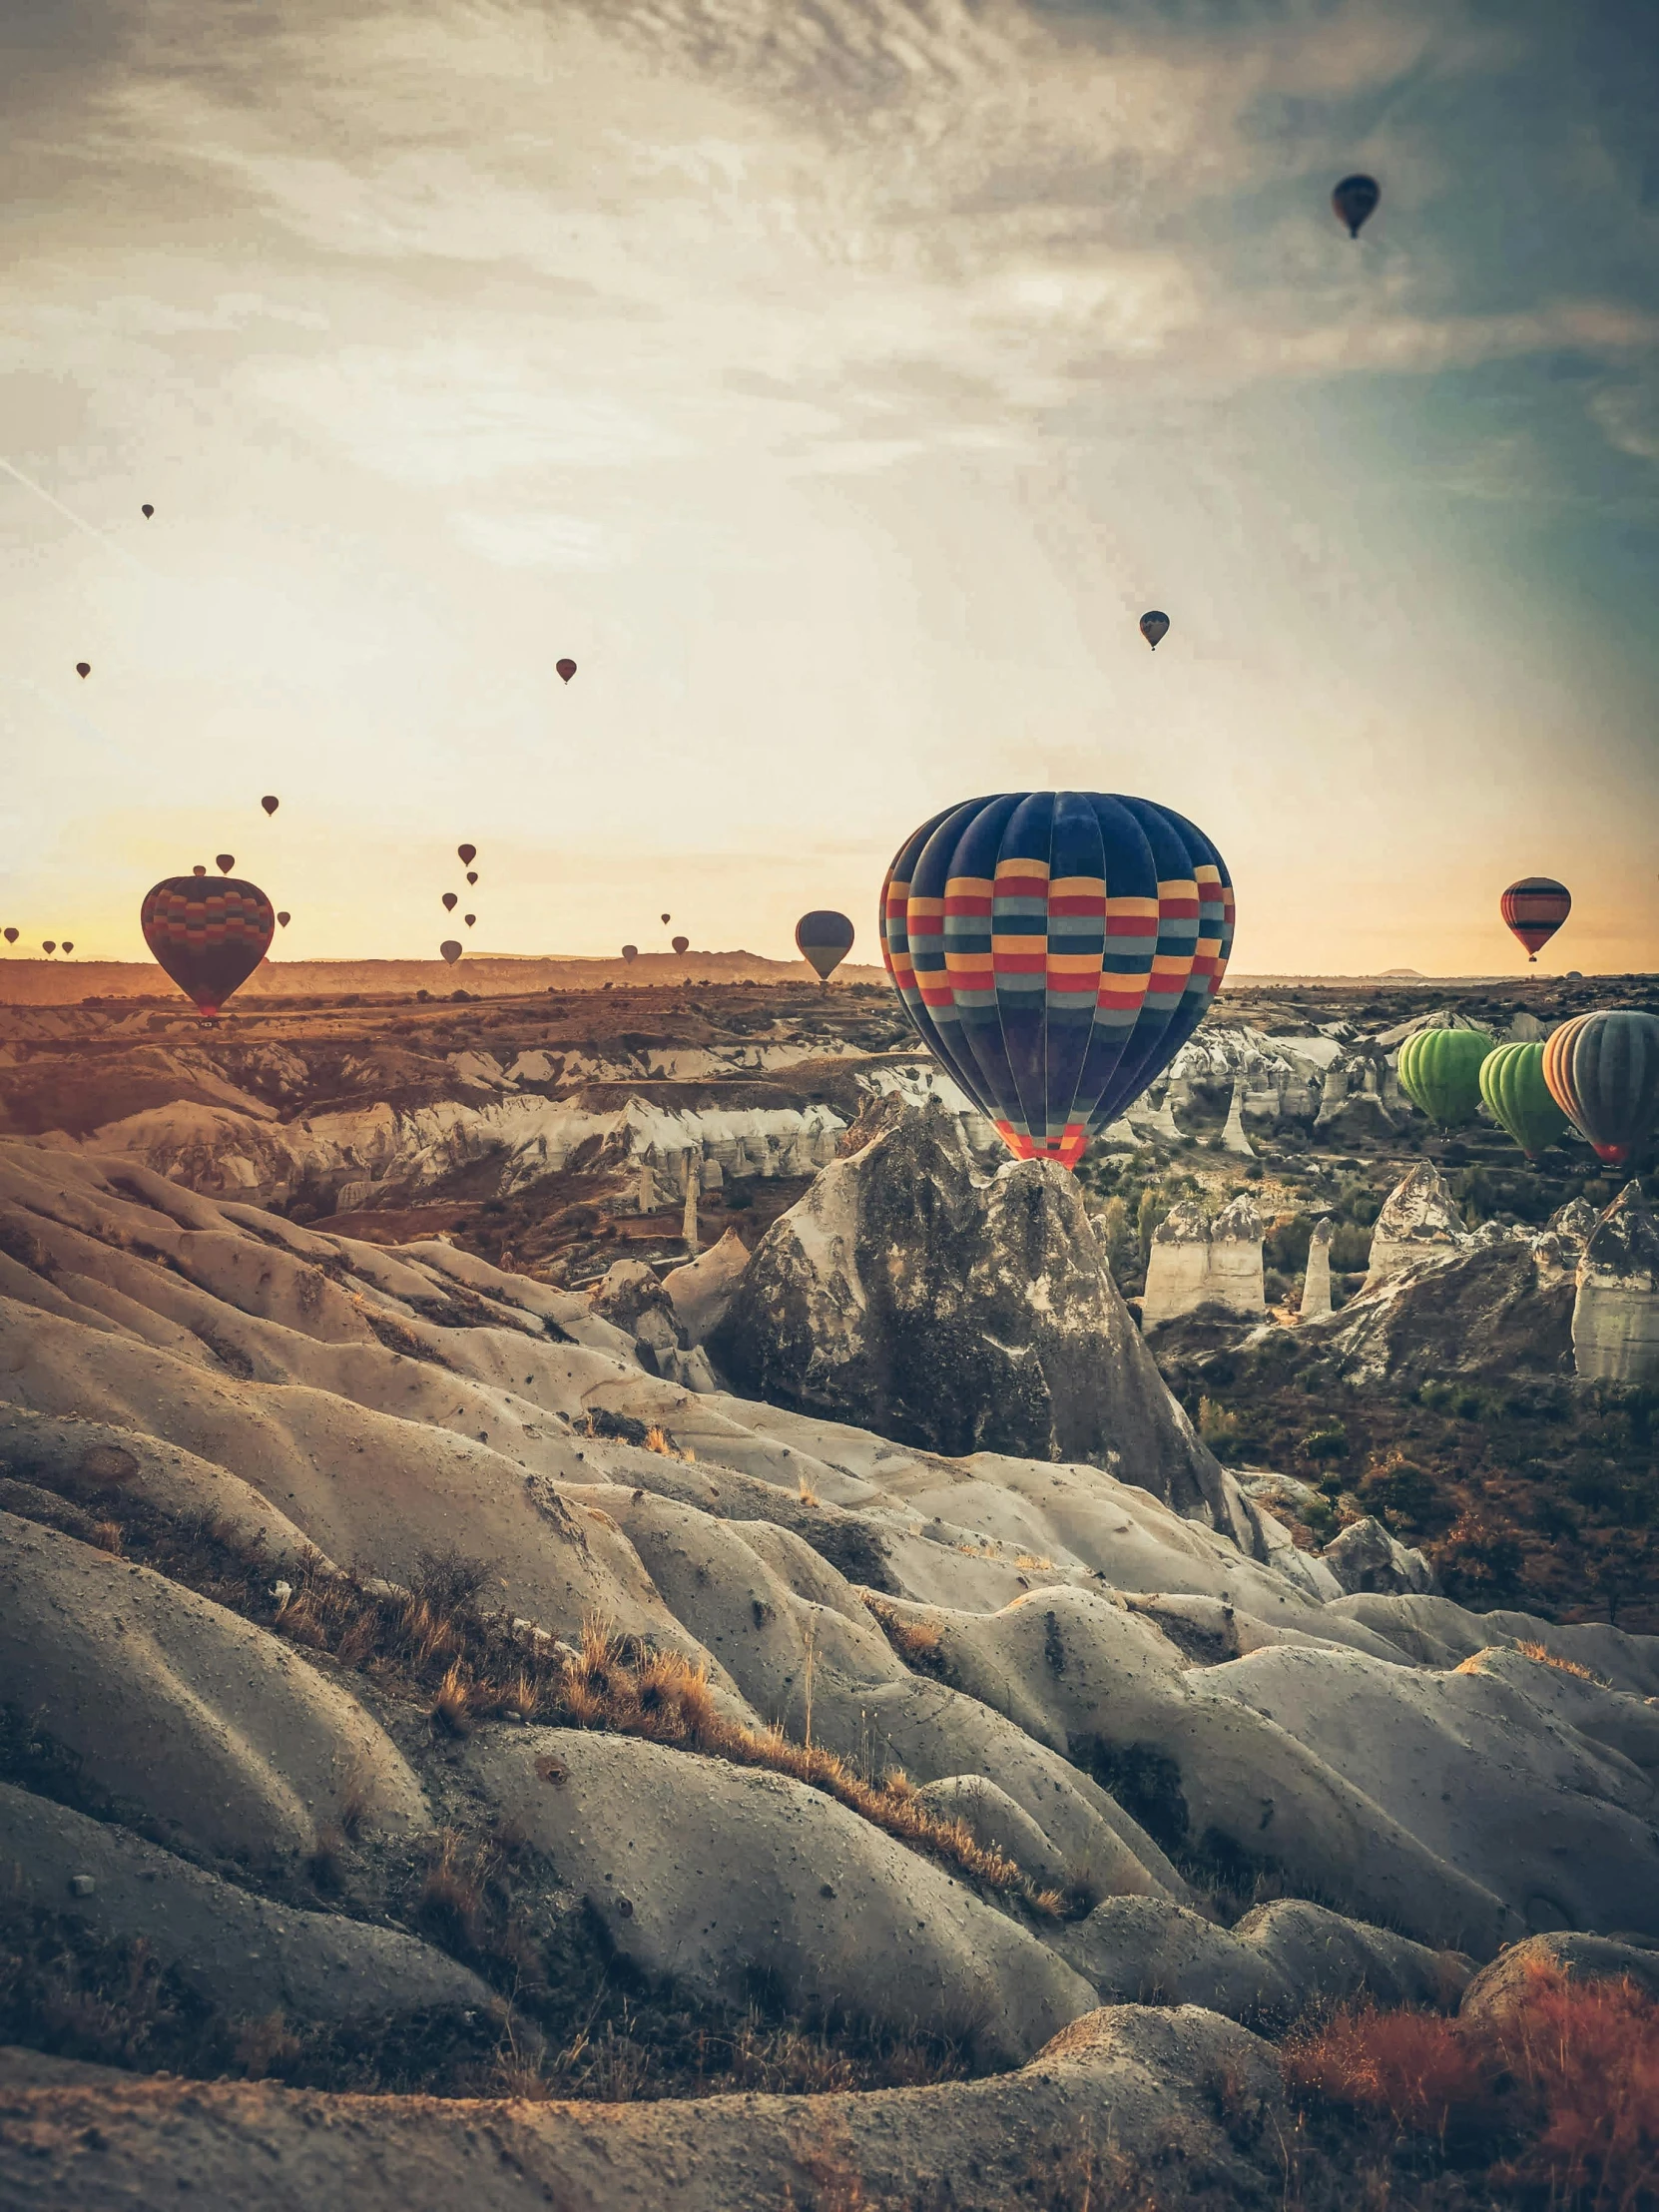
(1440, 1070)
(450, 901)
(629, 951)
(467, 854)
(469, 919)
(199, 870)
(1512, 1084)
(1054, 950)
(68, 947)
(225, 863)
(1536, 907)
(1154, 626)
(146, 510)
(823, 940)
(1603, 1072)
(472, 875)
(210, 937)
(49, 944)
(11, 937)
(1353, 200)
(567, 669)
(450, 949)
(667, 917)
(269, 805)
(83, 669)
(682, 944)
(282, 920)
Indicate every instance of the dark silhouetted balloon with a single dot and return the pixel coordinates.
(199, 870)
(667, 917)
(11, 937)
(210, 937)
(682, 944)
(469, 919)
(1603, 1073)
(823, 940)
(225, 863)
(269, 805)
(450, 949)
(1154, 625)
(282, 920)
(83, 669)
(146, 510)
(451, 900)
(1353, 200)
(1439, 1071)
(1512, 1084)
(68, 947)
(567, 669)
(1054, 950)
(1536, 907)
(472, 875)
(467, 854)
(49, 944)
(630, 952)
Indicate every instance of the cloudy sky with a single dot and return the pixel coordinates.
(836, 381)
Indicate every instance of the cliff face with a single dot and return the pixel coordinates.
(1615, 1316)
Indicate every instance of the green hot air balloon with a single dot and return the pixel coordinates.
(1440, 1070)
(1512, 1084)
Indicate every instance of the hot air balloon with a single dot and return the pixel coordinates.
(225, 863)
(823, 940)
(630, 952)
(199, 870)
(146, 510)
(282, 920)
(1353, 200)
(566, 668)
(1603, 1073)
(269, 805)
(11, 937)
(668, 918)
(682, 944)
(1536, 907)
(472, 875)
(1440, 1070)
(49, 946)
(450, 949)
(451, 900)
(83, 669)
(1054, 950)
(467, 854)
(68, 947)
(469, 919)
(1512, 1084)
(1154, 625)
(210, 937)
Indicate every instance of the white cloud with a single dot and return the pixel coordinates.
(540, 540)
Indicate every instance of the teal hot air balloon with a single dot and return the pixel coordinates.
(1054, 950)
(823, 938)
(1603, 1072)
(1440, 1070)
(1512, 1084)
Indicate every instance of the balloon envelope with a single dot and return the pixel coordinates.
(1603, 1072)
(1440, 1070)
(1054, 950)
(682, 944)
(269, 805)
(667, 917)
(49, 944)
(469, 919)
(1353, 200)
(472, 875)
(83, 667)
(282, 920)
(146, 510)
(68, 947)
(567, 669)
(450, 949)
(1512, 1084)
(1536, 907)
(467, 854)
(451, 900)
(630, 952)
(11, 937)
(1154, 625)
(823, 938)
(210, 937)
(225, 863)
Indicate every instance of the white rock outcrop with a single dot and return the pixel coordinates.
(1196, 1262)
(1420, 1221)
(1615, 1315)
(1315, 1282)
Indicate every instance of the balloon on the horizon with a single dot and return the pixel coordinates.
(1439, 1071)
(83, 669)
(225, 863)
(210, 937)
(450, 949)
(10, 936)
(467, 854)
(630, 952)
(682, 944)
(282, 920)
(68, 947)
(450, 901)
(823, 938)
(49, 946)
(566, 668)
(199, 870)
(146, 510)
(1355, 198)
(1513, 1087)
(1154, 626)
(1534, 907)
(1054, 950)
(472, 875)
(469, 919)
(1603, 1073)
(270, 803)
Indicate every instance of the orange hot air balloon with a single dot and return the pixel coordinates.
(146, 510)
(450, 949)
(682, 944)
(210, 937)
(567, 669)
(225, 863)
(1154, 627)
(1536, 907)
(1355, 198)
(269, 805)
(467, 854)
(282, 920)
(49, 946)
(469, 919)
(450, 903)
(83, 669)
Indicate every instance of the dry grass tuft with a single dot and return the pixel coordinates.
(1548, 1658)
(919, 1644)
(657, 1439)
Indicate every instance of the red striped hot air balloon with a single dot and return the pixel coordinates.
(1603, 1072)
(209, 936)
(1536, 907)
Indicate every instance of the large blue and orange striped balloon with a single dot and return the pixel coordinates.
(1054, 950)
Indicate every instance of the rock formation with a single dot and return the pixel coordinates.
(1198, 1262)
(1365, 1557)
(1315, 1282)
(909, 1293)
(1418, 1222)
(1233, 1137)
(1236, 1274)
(701, 1290)
(1615, 1315)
